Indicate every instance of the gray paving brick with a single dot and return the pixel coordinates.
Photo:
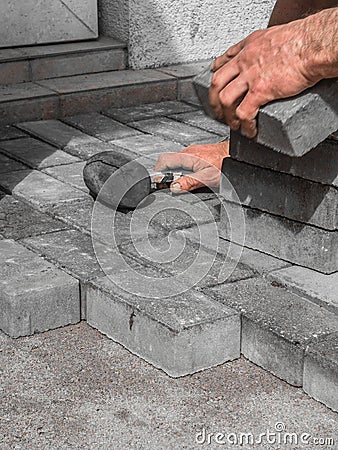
(277, 325)
(39, 188)
(175, 131)
(19, 220)
(291, 125)
(75, 213)
(106, 80)
(180, 335)
(292, 241)
(207, 268)
(57, 133)
(148, 111)
(186, 92)
(200, 120)
(8, 132)
(10, 165)
(101, 126)
(316, 286)
(281, 194)
(146, 144)
(23, 91)
(321, 371)
(118, 97)
(186, 70)
(320, 164)
(10, 54)
(259, 262)
(35, 154)
(70, 173)
(75, 64)
(35, 296)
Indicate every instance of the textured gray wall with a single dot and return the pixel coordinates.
(161, 32)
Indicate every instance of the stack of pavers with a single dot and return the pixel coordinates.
(286, 184)
(286, 180)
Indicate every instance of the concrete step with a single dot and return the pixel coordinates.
(60, 97)
(39, 62)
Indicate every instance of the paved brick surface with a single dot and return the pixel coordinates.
(35, 296)
(197, 266)
(57, 133)
(14, 72)
(274, 332)
(289, 240)
(9, 164)
(259, 262)
(199, 334)
(38, 188)
(9, 132)
(19, 220)
(200, 120)
(148, 145)
(317, 286)
(320, 164)
(70, 173)
(175, 131)
(101, 126)
(281, 194)
(187, 70)
(36, 154)
(75, 213)
(149, 111)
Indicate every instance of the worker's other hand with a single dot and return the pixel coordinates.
(268, 65)
(204, 160)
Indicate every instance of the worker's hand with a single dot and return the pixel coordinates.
(204, 160)
(269, 64)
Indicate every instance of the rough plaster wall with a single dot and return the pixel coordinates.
(114, 19)
(163, 32)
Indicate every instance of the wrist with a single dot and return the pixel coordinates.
(320, 46)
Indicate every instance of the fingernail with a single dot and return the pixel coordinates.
(176, 188)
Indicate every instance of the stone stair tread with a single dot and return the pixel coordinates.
(41, 51)
(103, 80)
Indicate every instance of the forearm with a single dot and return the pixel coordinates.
(288, 10)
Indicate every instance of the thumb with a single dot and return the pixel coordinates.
(185, 184)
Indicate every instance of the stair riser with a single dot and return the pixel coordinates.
(62, 66)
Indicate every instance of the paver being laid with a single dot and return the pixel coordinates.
(19, 220)
(35, 153)
(35, 296)
(321, 371)
(148, 111)
(277, 325)
(175, 131)
(180, 335)
(281, 194)
(101, 126)
(316, 286)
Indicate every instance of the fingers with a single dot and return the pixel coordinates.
(230, 97)
(247, 112)
(227, 56)
(186, 184)
(219, 81)
(175, 160)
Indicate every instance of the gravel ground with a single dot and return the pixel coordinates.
(74, 388)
